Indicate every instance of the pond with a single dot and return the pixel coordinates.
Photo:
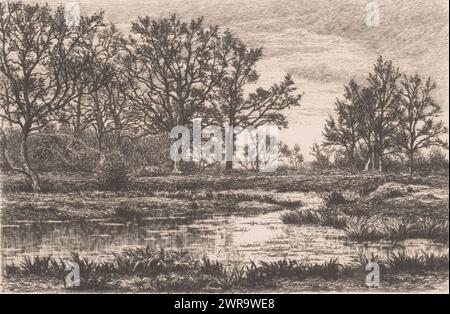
(231, 239)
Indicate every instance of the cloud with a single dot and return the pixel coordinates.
(320, 72)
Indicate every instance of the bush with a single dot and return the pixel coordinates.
(62, 150)
(51, 150)
(189, 167)
(138, 151)
(436, 161)
(113, 174)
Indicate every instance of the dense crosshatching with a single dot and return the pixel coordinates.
(265, 146)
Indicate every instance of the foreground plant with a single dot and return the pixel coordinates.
(144, 269)
(364, 229)
(403, 262)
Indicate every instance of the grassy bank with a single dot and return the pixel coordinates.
(392, 212)
(78, 196)
(148, 270)
(133, 206)
(304, 181)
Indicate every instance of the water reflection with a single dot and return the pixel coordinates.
(230, 239)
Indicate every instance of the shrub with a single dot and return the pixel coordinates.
(113, 174)
(136, 152)
(435, 161)
(255, 276)
(330, 217)
(51, 150)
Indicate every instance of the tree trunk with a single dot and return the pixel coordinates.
(102, 158)
(229, 148)
(229, 165)
(175, 169)
(411, 163)
(380, 163)
(367, 166)
(102, 152)
(352, 159)
(118, 131)
(32, 175)
(373, 161)
(257, 153)
(77, 128)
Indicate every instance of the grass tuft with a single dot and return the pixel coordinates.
(402, 262)
(334, 198)
(160, 270)
(361, 229)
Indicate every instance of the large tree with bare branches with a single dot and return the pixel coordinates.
(418, 126)
(41, 64)
(383, 84)
(105, 110)
(173, 68)
(343, 130)
(236, 107)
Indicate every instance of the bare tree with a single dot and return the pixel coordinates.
(366, 127)
(230, 98)
(383, 84)
(107, 110)
(344, 130)
(40, 63)
(264, 106)
(173, 68)
(417, 113)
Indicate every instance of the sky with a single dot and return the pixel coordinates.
(322, 43)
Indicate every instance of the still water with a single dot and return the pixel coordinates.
(231, 239)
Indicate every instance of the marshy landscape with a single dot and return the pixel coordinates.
(300, 232)
(90, 99)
